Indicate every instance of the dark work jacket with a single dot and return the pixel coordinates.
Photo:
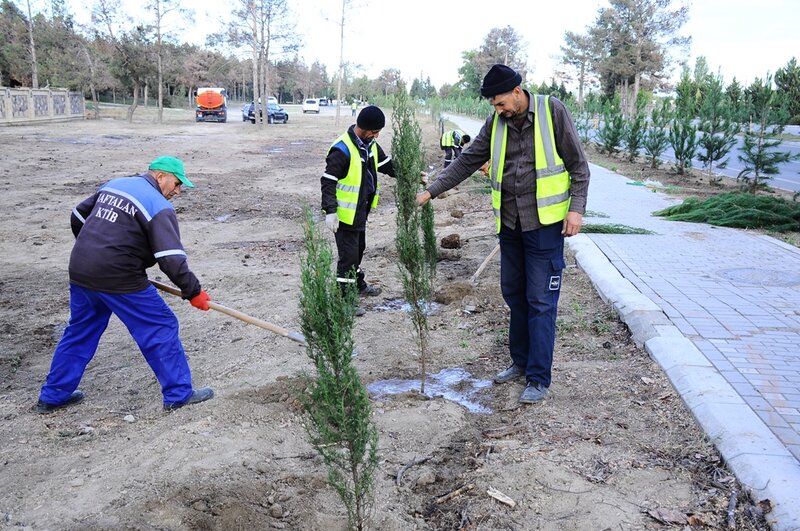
(121, 230)
(337, 163)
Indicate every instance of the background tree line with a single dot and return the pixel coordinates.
(632, 47)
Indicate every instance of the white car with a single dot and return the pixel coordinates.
(311, 105)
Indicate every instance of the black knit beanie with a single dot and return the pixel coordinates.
(499, 80)
(371, 118)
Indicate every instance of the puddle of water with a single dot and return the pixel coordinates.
(454, 384)
(400, 305)
(223, 218)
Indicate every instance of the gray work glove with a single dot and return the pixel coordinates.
(332, 221)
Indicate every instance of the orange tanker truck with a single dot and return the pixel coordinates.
(211, 105)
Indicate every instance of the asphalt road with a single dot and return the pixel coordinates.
(788, 177)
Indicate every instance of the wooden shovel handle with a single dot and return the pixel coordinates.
(295, 336)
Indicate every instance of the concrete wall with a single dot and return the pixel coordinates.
(21, 105)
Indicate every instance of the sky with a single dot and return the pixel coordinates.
(426, 38)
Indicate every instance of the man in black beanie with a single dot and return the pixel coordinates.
(540, 180)
(350, 191)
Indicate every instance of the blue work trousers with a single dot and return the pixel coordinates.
(530, 278)
(149, 320)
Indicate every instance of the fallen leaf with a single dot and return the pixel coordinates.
(766, 505)
(647, 381)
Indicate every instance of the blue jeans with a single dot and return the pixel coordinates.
(149, 320)
(530, 279)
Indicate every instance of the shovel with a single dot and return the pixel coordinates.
(294, 336)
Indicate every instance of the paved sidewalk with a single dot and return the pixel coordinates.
(719, 310)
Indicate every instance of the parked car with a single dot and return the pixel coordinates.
(311, 105)
(323, 102)
(275, 113)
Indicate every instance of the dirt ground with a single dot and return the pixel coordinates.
(611, 448)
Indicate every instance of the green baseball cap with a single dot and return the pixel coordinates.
(173, 166)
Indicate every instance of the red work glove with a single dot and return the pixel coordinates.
(200, 301)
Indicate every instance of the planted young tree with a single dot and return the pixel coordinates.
(337, 405)
(760, 153)
(717, 126)
(683, 139)
(610, 134)
(415, 239)
(656, 140)
(634, 132)
(584, 123)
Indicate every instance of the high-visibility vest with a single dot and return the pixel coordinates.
(552, 178)
(347, 189)
(449, 138)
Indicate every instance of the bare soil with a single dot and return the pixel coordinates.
(611, 448)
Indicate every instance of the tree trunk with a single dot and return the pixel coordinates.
(254, 46)
(34, 67)
(160, 63)
(92, 89)
(135, 102)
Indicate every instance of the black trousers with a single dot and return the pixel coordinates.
(450, 154)
(350, 245)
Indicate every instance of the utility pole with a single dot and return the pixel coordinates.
(341, 66)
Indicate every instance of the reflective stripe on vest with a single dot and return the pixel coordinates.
(552, 178)
(347, 189)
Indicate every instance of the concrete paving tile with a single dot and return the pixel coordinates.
(758, 403)
(722, 365)
(773, 419)
(734, 376)
(787, 435)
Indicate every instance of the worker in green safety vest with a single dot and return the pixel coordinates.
(452, 142)
(540, 179)
(350, 190)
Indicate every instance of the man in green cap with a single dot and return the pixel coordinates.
(125, 227)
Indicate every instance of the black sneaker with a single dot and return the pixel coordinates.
(198, 395)
(44, 408)
(369, 291)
